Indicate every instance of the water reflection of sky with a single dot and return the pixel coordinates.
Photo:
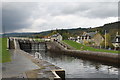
(78, 68)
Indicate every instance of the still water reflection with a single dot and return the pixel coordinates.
(78, 68)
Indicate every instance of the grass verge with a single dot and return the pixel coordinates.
(39, 40)
(4, 54)
(79, 46)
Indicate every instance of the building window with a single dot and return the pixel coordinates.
(82, 37)
(89, 37)
(116, 39)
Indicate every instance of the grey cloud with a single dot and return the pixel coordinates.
(0, 18)
(93, 10)
(75, 8)
(15, 15)
(86, 9)
(103, 10)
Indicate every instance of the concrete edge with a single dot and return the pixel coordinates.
(59, 73)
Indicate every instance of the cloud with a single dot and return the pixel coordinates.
(30, 16)
(103, 10)
(0, 18)
(60, 0)
(89, 9)
(16, 15)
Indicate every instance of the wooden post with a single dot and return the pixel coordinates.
(7, 43)
(105, 39)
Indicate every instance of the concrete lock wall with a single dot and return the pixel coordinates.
(11, 44)
(109, 58)
(59, 74)
(28, 46)
(25, 45)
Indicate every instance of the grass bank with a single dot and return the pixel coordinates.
(37, 39)
(4, 53)
(79, 46)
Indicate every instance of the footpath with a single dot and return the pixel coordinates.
(26, 66)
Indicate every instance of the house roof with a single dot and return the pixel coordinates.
(91, 34)
(55, 35)
(114, 40)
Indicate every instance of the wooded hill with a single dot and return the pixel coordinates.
(111, 29)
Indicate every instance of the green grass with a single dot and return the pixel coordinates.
(4, 53)
(39, 40)
(79, 46)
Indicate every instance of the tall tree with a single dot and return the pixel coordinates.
(108, 41)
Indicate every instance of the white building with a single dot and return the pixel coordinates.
(94, 38)
(72, 38)
(116, 41)
(57, 37)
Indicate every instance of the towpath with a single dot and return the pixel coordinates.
(25, 65)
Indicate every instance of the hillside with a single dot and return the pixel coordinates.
(111, 28)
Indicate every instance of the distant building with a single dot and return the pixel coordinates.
(94, 37)
(46, 39)
(97, 39)
(116, 41)
(57, 37)
(72, 38)
(78, 39)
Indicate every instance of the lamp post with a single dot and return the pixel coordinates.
(105, 39)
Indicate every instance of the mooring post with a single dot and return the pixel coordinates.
(14, 43)
(7, 43)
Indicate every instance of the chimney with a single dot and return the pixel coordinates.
(96, 31)
(117, 33)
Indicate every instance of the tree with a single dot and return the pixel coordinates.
(108, 41)
(52, 33)
(38, 36)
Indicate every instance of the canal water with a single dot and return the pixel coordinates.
(77, 67)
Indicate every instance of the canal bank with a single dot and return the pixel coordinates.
(109, 58)
(25, 65)
(46, 70)
(77, 67)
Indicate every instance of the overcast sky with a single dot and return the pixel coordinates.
(42, 16)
